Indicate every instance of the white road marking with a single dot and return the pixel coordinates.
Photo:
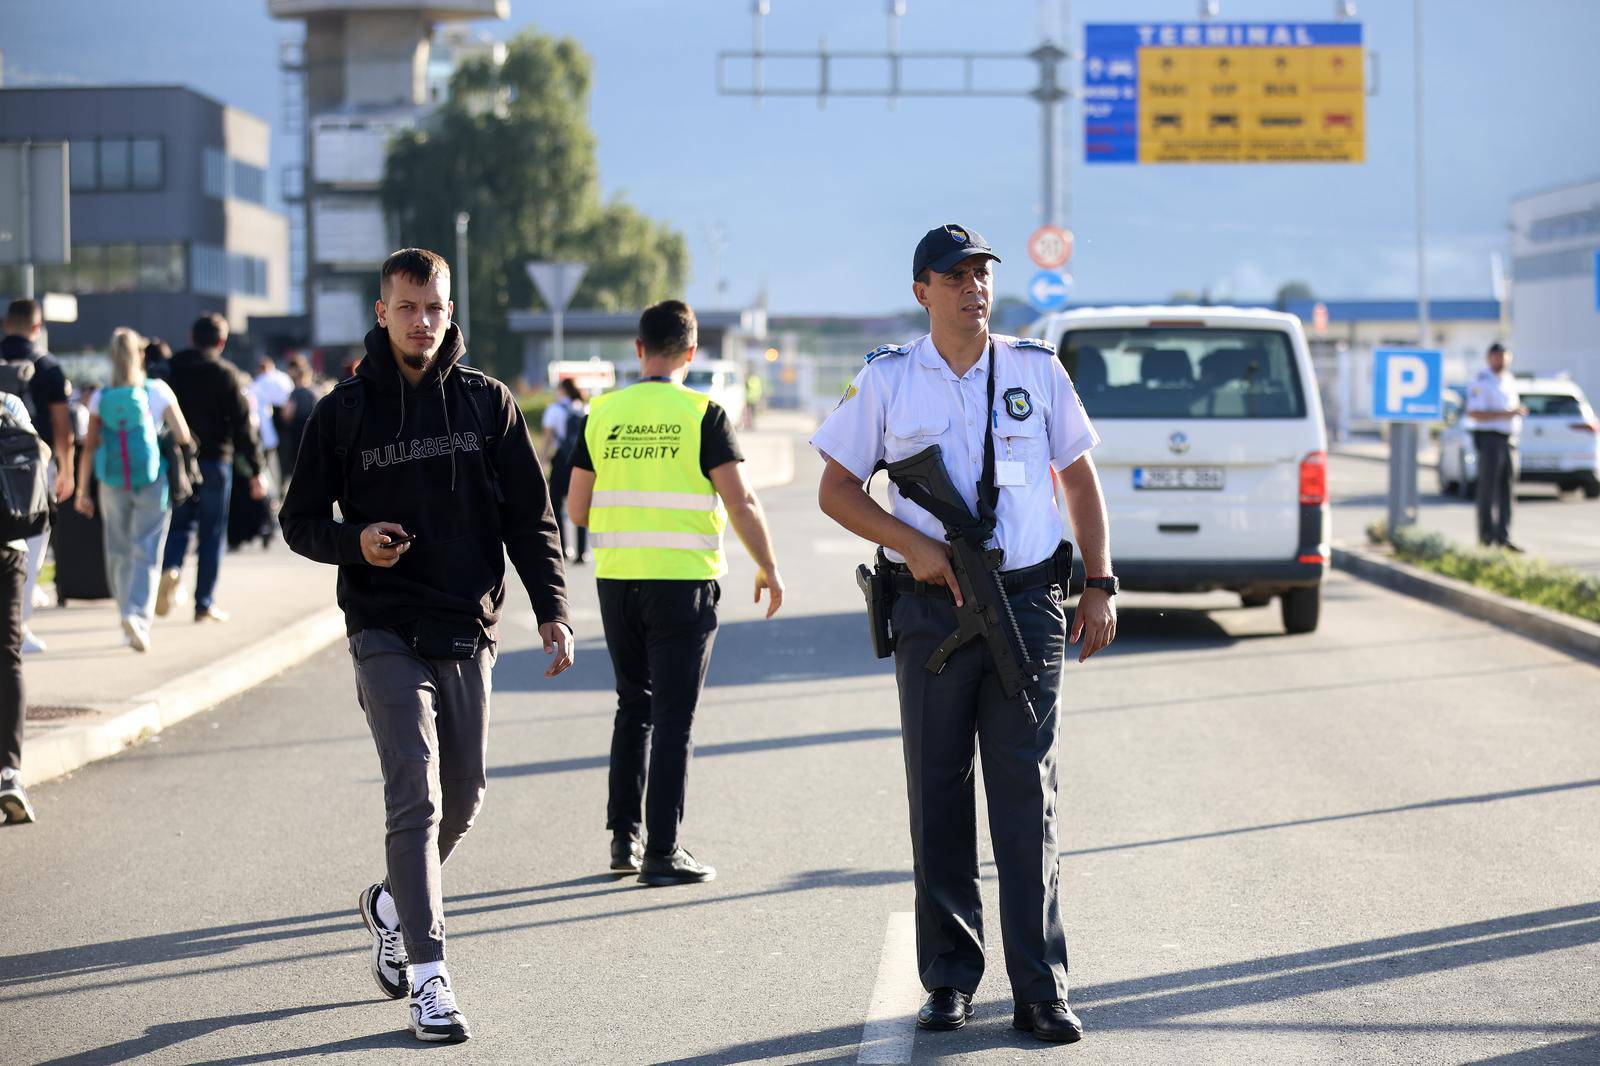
(891, 1025)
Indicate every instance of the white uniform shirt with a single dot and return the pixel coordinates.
(902, 402)
(1494, 392)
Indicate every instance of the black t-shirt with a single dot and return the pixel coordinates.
(717, 443)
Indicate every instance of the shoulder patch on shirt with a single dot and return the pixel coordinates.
(887, 349)
(1034, 342)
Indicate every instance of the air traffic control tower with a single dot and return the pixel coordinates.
(364, 72)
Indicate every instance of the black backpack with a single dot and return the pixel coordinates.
(24, 480)
(16, 377)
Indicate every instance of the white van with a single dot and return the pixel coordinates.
(1213, 452)
(721, 379)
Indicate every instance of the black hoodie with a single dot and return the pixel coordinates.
(418, 459)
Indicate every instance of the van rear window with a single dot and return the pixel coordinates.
(1184, 372)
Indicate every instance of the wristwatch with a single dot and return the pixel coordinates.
(1108, 585)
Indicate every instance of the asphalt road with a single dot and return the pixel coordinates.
(1375, 844)
(1560, 528)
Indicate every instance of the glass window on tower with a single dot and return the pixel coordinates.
(114, 164)
(147, 163)
(83, 161)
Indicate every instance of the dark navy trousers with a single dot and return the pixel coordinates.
(944, 718)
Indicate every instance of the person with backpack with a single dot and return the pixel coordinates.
(25, 485)
(37, 378)
(437, 483)
(123, 453)
(563, 428)
(212, 395)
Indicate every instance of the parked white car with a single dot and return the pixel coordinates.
(721, 379)
(1213, 453)
(1559, 444)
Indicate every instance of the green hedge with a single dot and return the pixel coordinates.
(1557, 587)
(533, 405)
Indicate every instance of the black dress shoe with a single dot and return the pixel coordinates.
(626, 851)
(945, 1008)
(1050, 1020)
(1510, 547)
(677, 867)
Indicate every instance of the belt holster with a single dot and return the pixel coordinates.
(877, 585)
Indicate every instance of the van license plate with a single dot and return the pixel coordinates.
(1177, 477)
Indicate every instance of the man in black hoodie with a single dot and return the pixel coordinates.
(436, 480)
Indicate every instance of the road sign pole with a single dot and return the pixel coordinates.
(26, 156)
(556, 333)
(1403, 502)
(464, 295)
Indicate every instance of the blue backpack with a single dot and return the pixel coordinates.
(129, 456)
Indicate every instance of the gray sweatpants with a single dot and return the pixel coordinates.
(430, 721)
(942, 718)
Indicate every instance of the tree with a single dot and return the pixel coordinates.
(1291, 291)
(513, 147)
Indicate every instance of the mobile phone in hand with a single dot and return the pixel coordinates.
(393, 541)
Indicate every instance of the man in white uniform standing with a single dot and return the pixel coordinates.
(1006, 419)
(1495, 407)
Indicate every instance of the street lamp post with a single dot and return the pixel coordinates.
(463, 297)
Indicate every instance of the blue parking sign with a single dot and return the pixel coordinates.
(1407, 385)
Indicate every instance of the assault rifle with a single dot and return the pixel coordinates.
(985, 610)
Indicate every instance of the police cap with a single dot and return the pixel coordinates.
(943, 247)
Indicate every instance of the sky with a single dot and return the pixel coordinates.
(822, 206)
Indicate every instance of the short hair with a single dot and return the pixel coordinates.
(1495, 347)
(23, 315)
(157, 349)
(572, 391)
(924, 278)
(210, 330)
(414, 264)
(668, 328)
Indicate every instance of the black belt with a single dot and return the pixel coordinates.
(1050, 572)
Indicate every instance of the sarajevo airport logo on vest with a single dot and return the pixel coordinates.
(406, 451)
(647, 440)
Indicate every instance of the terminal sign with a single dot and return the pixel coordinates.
(1218, 92)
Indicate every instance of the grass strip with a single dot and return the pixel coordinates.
(1521, 577)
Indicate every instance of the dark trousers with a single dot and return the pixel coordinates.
(430, 721)
(13, 702)
(659, 634)
(558, 504)
(1496, 477)
(941, 716)
(207, 509)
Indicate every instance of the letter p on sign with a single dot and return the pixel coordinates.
(1407, 385)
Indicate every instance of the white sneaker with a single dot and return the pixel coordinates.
(434, 1014)
(14, 806)
(169, 591)
(389, 964)
(138, 636)
(31, 644)
(41, 598)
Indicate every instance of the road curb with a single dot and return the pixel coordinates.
(114, 727)
(1563, 632)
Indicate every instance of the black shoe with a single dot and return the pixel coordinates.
(1510, 547)
(675, 868)
(1050, 1020)
(626, 851)
(945, 1008)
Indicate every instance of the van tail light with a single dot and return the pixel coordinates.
(1314, 478)
(1586, 427)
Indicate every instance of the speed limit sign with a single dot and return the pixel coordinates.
(1050, 247)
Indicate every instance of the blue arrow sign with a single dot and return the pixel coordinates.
(1047, 291)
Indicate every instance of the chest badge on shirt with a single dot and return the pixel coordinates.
(1019, 404)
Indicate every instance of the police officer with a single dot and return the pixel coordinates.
(656, 478)
(997, 402)
(1494, 407)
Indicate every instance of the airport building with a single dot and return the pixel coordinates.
(169, 215)
(1555, 282)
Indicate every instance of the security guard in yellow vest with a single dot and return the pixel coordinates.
(656, 479)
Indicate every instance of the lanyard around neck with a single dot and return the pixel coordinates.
(988, 490)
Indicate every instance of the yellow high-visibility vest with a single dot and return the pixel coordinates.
(655, 514)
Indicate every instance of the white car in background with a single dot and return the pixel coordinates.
(1213, 452)
(1559, 444)
(721, 379)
